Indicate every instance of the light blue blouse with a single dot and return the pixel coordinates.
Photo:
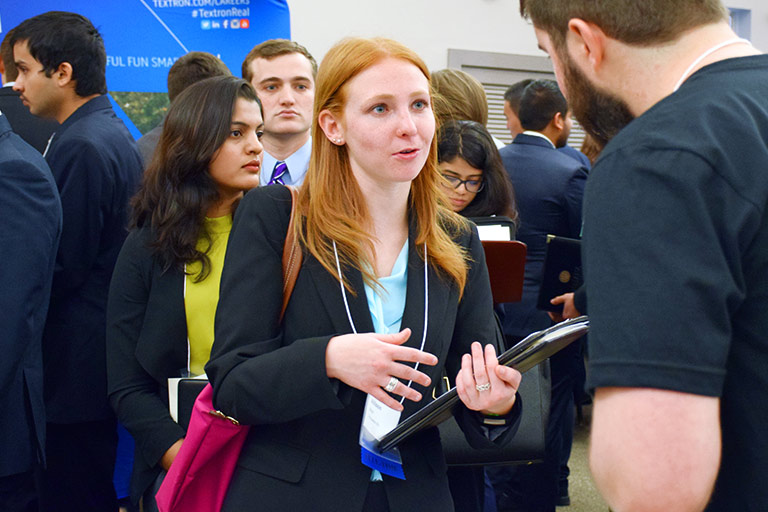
(387, 305)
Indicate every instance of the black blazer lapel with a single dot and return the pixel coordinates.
(329, 290)
(439, 293)
(413, 315)
(162, 347)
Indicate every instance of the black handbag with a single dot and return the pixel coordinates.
(526, 447)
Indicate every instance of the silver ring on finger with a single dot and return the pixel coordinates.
(483, 387)
(391, 384)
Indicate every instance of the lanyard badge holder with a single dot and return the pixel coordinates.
(379, 419)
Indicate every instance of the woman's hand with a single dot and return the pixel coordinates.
(369, 361)
(484, 385)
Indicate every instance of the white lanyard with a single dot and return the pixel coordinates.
(706, 54)
(426, 301)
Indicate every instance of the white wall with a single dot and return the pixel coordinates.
(428, 26)
(431, 27)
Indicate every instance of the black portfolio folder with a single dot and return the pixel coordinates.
(188, 391)
(523, 356)
(562, 271)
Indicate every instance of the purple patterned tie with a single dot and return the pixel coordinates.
(277, 173)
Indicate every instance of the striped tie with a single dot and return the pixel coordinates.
(277, 173)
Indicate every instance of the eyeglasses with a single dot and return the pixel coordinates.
(474, 185)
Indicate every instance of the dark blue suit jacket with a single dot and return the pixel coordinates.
(97, 169)
(29, 235)
(549, 186)
(578, 155)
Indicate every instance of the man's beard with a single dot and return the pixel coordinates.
(601, 114)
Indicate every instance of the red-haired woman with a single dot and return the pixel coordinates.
(393, 290)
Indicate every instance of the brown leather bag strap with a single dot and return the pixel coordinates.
(292, 254)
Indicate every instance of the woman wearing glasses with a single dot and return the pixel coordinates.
(476, 183)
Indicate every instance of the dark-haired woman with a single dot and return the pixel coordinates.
(476, 183)
(164, 289)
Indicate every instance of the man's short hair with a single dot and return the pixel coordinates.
(636, 22)
(6, 53)
(192, 68)
(56, 37)
(513, 94)
(540, 102)
(275, 48)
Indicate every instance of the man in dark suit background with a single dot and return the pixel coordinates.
(549, 186)
(512, 98)
(29, 236)
(61, 62)
(34, 130)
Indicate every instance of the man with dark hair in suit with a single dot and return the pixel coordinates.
(548, 188)
(187, 70)
(61, 62)
(34, 130)
(512, 98)
(29, 235)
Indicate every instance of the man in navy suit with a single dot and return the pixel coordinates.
(512, 98)
(34, 130)
(29, 236)
(549, 186)
(61, 62)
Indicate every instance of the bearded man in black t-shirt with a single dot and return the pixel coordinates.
(675, 247)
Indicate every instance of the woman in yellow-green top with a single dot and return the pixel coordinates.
(165, 287)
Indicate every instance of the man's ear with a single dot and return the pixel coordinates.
(558, 122)
(586, 43)
(330, 126)
(63, 74)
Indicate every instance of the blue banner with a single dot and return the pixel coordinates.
(143, 38)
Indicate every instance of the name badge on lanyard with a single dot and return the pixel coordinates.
(379, 420)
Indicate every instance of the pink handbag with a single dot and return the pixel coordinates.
(199, 477)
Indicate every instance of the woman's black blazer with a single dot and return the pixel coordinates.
(146, 344)
(302, 452)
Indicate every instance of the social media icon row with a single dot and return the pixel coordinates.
(216, 24)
